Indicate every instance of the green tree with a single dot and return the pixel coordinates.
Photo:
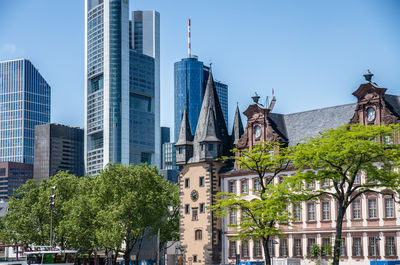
(260, 217)
(132, 201)
(336, 159)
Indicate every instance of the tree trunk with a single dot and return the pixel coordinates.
(267, 255)
(338, 237)
(127, 256)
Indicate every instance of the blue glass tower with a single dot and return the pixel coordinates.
(24, 103)
(190, 81)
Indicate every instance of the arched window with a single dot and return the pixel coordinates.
(198, 235)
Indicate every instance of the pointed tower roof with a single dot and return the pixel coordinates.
(237, 129)
(185, 135)
(211, 124)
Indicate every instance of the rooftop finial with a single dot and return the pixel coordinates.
(255, 97)
(368, 75)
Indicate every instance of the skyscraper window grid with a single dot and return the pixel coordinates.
(24, 103)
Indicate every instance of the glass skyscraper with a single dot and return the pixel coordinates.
(190, 81)
(122, 85)
(24, 103)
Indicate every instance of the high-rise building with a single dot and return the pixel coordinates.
(169, 156)
(24, 103)
(191, 77)
(13, 175)
(122, 85)
(58, 148)
(165, 138)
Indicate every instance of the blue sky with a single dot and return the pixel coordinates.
(313, 53)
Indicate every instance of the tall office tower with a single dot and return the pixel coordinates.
(191, 77)
(24, 103)
(58, 148)
(121, 87)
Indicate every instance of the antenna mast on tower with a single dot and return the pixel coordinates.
(189, 44)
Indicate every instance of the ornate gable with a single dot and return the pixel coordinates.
(371, 108)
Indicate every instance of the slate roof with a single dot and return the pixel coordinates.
(237, 129)
(296, 126)
(185, 135)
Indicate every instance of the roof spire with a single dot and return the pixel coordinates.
(255, 97)
(368, 75)
(237, 129)
(185, 135)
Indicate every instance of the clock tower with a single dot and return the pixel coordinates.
(372, 107)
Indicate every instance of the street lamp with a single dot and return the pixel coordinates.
(52, 204)
(377, 238)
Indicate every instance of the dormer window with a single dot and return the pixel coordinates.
(180, 150)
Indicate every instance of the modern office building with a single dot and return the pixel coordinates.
(58, 148)
(190, 80)
(169, 156)
(122, 87)
(24, 103)
(13, 175)
(165, 138)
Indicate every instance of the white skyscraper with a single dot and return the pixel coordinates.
(118, 106)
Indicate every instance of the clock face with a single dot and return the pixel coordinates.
(370, 114)
(194, 195)
(257, 131)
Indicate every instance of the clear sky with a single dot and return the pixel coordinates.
(312, 52)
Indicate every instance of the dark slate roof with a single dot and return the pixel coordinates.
(393, 103)
(300, 125)
(185, 134)
(211, 124)
(3, 208)
(237, 129)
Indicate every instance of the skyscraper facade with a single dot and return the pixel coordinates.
(122, 85)
(58, 148)
(190, 80)
(24, 103)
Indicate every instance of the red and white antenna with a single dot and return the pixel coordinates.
(189, 44)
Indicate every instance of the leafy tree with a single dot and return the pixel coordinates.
(132, 201)
(260, 217)
(336, 159)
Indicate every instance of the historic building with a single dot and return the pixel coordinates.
(207, 240)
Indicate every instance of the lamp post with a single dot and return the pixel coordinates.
(377, 238)
(51, 204)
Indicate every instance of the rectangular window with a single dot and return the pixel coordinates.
(232, 187)
(297, 212)
(2, 171)
(140, 102)
(297, 247)
(373, 247)
(195, 215)
(245, 249)
(187, 183)
(283, 248)
(356, 209)
(244, 186)
(194, 258)
(187, 208)
(326, 246)
(357, 248)
(201, 182)
(372, 208)
(310, 243)
(311, 211)
(202, 208)
(325, 211)
(343, 247)
(311, 185)
(257, 185)
(325, 183)
(357, 179)
(389, 208)
(257, 248)
(390, 246)
(271, 247)
(389, 140)
(232, 217)
(232, 249)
